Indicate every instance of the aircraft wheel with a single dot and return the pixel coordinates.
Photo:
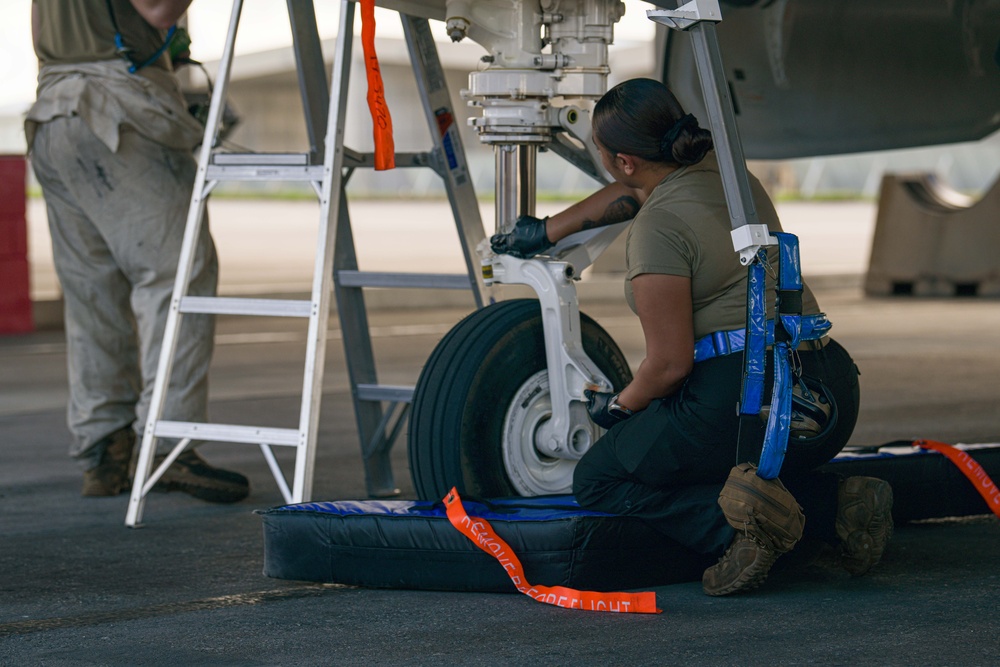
(482, 402)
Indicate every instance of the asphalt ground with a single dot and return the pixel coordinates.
(79, 588)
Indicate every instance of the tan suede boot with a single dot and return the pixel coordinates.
(112, 474)
(192, 475)
(864, 522)
(743, 567)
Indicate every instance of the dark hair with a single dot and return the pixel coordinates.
(642, 117)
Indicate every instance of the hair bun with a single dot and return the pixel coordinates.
(682, 123)
(641, 117)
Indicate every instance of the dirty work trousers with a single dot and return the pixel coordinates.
(668, 463)
(117, 222)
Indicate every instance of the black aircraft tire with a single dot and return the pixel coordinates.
(464, 401)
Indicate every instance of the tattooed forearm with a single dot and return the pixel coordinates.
(609, 205)
(622, 209)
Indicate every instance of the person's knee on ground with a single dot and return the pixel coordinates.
(590, 488)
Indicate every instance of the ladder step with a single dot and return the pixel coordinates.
(381, 279)
(254, 435)
(215, 305)
(260, 159)
(384, 392)
(354, 159)
(292, 166)
(263, 167)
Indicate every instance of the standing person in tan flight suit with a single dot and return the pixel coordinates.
(111, 141)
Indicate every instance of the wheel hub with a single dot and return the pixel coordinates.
(535, 461)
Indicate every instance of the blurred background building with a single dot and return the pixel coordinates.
(264, 95)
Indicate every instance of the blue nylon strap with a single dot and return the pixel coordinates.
(789, 264)
(752, 395)
(787, 333)
(780, 416)
(720, 343)
(789, 280)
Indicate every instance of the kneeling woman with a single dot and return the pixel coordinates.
(673, 432)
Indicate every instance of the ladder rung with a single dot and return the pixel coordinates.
(354, 158)
(255, 159)
(215, 305)
(264, 172)
(384, 392)
(381, 279)
(254, 435)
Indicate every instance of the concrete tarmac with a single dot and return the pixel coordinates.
(79, 588)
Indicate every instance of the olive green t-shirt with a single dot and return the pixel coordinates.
(80, 75)
(683, 229)
(76, 31)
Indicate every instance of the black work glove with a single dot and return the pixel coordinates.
(526, 240)
(597, 406)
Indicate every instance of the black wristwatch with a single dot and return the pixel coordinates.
(616, 409)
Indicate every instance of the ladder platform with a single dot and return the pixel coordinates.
(384, 392)
(294, 166)
(347, 278)
(254, 435)
(214, 305)
(263, 167)
(354, 159)
(264, 173)
(249, 159)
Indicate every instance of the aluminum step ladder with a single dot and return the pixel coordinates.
(380, 410)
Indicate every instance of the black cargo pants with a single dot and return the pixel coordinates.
(668, 463)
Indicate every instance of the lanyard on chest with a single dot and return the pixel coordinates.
(126, 52)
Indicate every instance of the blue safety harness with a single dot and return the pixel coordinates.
(783, 334)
